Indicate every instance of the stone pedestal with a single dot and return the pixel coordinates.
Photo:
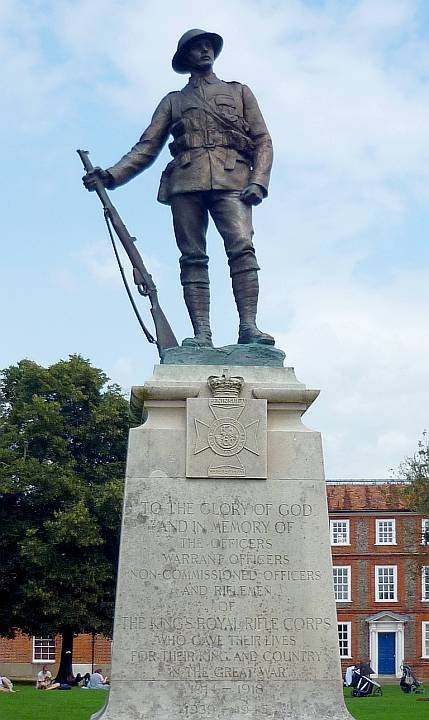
(225, 606)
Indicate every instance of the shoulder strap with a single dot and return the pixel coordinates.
(176, 106)
(221, 119)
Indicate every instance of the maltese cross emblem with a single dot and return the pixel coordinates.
(227, 437)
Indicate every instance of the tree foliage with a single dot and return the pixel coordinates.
(63, 435)
(415, 471)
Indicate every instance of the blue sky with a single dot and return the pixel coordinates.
(341, 239)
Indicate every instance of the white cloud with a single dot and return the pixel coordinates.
(367, 352)
(30, 85)
(99, 259)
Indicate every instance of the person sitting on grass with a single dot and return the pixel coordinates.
(6, 685)
(43, 676)
(83, 681)
(47, 684)
(97, 681)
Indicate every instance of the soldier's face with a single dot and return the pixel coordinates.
(200, 54)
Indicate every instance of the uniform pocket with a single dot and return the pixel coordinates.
(226, 106)
(189, 105)
(225, 100)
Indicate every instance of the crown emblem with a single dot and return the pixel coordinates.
(225, 385)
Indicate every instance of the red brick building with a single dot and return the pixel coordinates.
(24, 656)
(380, 552)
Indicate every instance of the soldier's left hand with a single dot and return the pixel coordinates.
(252, 195)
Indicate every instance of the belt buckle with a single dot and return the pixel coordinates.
(207, 143)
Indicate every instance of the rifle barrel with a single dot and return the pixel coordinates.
(164, 333)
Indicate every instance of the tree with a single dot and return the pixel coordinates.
(415, 471)
(63, 436)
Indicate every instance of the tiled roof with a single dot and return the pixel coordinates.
(346, 497)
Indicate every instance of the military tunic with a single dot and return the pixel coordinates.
(213, 162)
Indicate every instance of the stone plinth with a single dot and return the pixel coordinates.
(225, 606)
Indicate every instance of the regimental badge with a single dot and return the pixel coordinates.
(226, 434)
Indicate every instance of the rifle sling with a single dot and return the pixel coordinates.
(148, 334)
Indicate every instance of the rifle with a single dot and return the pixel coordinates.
(165, 337)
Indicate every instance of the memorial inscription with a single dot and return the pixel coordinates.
(233, 554)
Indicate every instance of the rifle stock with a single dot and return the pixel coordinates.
(165, 337)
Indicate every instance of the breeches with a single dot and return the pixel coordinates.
(232, 218)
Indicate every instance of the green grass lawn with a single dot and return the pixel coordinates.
(31, 704)
(392, 705)
(77, 704)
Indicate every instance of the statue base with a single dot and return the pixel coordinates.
(225, 606)
(255, 355)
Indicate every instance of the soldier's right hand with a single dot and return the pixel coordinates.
(90, 179)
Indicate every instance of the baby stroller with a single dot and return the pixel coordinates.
(408, 682)
(363, 686)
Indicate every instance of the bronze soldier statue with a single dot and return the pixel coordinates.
(222, 157)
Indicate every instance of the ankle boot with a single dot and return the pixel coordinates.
(245, 287)
(197, 300)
